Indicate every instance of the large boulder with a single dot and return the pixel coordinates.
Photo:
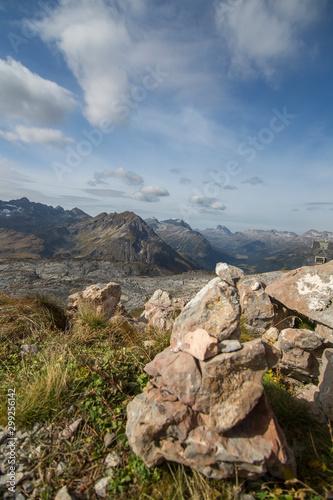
(103, 299)
(308, 290)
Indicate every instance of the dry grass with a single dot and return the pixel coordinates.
(91, 370)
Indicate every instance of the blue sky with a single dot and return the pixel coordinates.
(216, 112)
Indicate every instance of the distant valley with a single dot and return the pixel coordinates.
(31, 230)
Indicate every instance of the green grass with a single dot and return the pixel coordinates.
(91, 369)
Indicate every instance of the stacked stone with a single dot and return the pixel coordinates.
(205, 405)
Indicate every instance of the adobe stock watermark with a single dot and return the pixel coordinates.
(122, 107)
(248, 149)
(29, 28)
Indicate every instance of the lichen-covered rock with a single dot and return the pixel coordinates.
(258, 312)
(215, 309)
(308, 290)
(162, 309)
(229, 274)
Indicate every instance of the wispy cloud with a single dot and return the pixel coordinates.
(48, 137)
(201, 201)
(129, 178)
(254, 181)
(185, 180)
(28, 97)
(151, 193)
(263, 34)
(106, 193)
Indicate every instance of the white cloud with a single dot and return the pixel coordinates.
(48, 137)
(151, 193)
(129, 178)
(29, 97)
(204, 202)
(262, 34)
(113, 48)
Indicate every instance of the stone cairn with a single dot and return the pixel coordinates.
(205, 405)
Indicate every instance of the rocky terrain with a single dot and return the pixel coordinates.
(61, 277)
(206, 404)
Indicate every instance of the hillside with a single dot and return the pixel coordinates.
(34, 230)
(260, 251)
(189, 243)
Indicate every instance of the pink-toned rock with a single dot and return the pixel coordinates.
(159, 430)
(200, 344)
(178, 372)
(215, 309)
(231, 386)
(308, 290)
(152, 420)
(103, 299)
(326, 333)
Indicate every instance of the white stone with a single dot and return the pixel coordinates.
(101, 487)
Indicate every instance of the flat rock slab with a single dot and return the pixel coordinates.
(308, 290)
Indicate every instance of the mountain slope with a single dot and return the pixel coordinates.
(124, 237)
(189, 243)
(34, 230)
(262, 251)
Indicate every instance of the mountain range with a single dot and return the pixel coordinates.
(34, 230)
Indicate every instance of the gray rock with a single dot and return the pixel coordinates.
(61, 467)
(71, 429)
(63, 494)
(112, 460)
(229, 274)
(28, 487)
(215, 309)
(29, 349)
(101, 487)
(326, 384)
(230, 346)
(109, 438)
